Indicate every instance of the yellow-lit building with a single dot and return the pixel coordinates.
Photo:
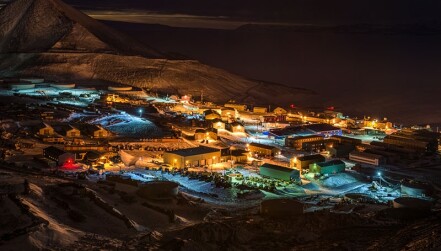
(382, 124)
(95, 131)
(302, 163)
(239, 107)
(280, 111)
(45, 130)
(192, 157)
(228, 113)
(258, 109)
(236, 127)
(261, 149)
(218, 124)
(306, 143)
(211, 115)
(205, 134)
(68, 131)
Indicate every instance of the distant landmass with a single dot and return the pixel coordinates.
(47, 38)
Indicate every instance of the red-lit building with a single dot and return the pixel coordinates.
(59, 156)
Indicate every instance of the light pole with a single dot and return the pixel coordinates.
(379, 176)
(212, 163)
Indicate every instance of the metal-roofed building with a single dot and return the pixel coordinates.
(303, 162)
(279, 172)
(192, 157)
(325, 130)
(261, 149)
(366, 158)
(59, 156)
(328, 167)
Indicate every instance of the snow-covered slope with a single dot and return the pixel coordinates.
(42, 25)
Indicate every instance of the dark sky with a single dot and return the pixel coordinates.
(394, 75)
(304, 11)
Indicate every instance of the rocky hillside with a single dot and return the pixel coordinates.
(158, 75)
(49, 39)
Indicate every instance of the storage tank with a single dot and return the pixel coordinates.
(21, 86)
(120, 88)
(159, 190)
(63, 86)
(281, 208)
(32, 80)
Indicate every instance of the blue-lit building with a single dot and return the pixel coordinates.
(324, 130)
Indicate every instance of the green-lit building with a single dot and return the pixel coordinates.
(328, 167)
(279, 172)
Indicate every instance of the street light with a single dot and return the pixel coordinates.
(140, 112)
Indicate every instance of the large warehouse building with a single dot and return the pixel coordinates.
(279, 172)
(192, 157)
(328, 167)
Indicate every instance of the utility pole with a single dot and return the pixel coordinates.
(202, 96)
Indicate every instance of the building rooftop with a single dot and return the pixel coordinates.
(321, 127)
(235, 123)
(53, 151)
(89, 129)
(207, 112)
(279, 168)
(308, 137)
(63, 129)
(294, 130)
(366, 155)
(311, 157)
(194, 151)
(263, 146)
(331, 163)
(199, 130)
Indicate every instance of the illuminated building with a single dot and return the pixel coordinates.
(211, 115)
(324, 130)
(67, 131)
(302, 163)
(279, 172)
(306, 143)
(45, 130)
(229, 113)
(328, 167)
(59, 156)
(418, 140)
(217, 124)
(366, 158)
(235, 127)
(192, 157)
(258, 109)
(205, 134)
(94, 131)
(238, 107)
(264, 150)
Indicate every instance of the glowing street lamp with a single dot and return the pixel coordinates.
(140, 112)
